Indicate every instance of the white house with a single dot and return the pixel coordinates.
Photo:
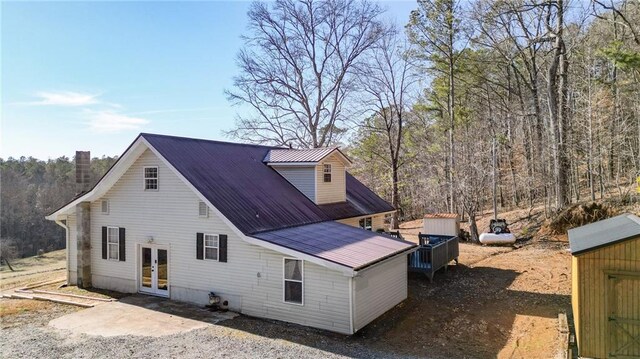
(276, 233)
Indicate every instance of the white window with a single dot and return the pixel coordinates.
(113, 243)
(211, 247)
(365, 223)
(104, 206)
(151, 178)
(327, 172)
(293, 281)
(203, 209)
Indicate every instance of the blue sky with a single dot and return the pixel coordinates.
(92, 75)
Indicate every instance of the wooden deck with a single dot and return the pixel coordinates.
(435, 252)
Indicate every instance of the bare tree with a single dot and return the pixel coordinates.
(296, 68)
(387, 82)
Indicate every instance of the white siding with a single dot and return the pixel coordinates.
(443, 226)
(303, 178)
(336, 190)
(251, 280)
(378, 289)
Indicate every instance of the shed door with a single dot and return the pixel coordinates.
(624, 315)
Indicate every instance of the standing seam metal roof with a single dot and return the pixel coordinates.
(603, 233)
(339, 243)
(311, 155)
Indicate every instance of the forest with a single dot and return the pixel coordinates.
(465, 106)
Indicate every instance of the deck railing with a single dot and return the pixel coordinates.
(435, 252)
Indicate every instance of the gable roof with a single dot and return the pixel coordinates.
(339, 243)
(603, 233)
(253, 196)
(310, 156)
(234, 180)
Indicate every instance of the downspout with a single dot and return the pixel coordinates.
(66, 235)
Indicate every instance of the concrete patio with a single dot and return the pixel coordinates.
(140, 315)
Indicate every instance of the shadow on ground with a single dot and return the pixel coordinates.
(466, 312)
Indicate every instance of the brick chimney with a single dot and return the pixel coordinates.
(83, 171)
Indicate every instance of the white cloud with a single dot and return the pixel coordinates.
(65, 98)
(109, 121)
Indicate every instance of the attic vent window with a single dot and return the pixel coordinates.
(151, 178)
(327, 172)
(104, 206)
(203, 209)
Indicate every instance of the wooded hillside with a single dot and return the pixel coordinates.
(31, 189)
(546, 92)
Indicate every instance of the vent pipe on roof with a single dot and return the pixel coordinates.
(83, 171)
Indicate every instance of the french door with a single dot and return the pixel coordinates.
(154, 270)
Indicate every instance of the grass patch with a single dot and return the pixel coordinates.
(19, 306)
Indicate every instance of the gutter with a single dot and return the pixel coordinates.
(67, 241)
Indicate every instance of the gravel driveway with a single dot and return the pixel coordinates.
(28, 335)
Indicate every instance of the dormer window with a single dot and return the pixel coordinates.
(327, 172)
(151, 178)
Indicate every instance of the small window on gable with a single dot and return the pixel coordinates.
(326, 171)
(151, 178)
(104, 206)
(211, 246)
(365, 223)
(203, 209)
(293, 281)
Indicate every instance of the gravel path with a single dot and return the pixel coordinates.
(32, 337)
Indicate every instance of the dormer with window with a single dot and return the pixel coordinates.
(318, 173)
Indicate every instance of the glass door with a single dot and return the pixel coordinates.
(154, 270)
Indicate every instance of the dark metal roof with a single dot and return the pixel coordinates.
(253, 196)
(338, 243)
(361, 201)
(603, 233)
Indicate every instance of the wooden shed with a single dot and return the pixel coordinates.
(605, 283)
(441, 224)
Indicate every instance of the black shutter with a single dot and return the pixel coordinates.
(104, 242)
(199, 245)
(122, 245)
(222, 256)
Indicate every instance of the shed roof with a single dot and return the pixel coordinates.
(311, 155)
(441, 215)
(603, 233)
(339, 243)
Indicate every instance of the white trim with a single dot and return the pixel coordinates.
(324, 172)
(204, 247)
(154, 249)
(144, 179)
(284, 279)
(109, 244)
(102, 201)
(206, 210)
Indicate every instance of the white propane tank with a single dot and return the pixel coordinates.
(493, 238)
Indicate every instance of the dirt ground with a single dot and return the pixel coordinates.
(497, 302)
